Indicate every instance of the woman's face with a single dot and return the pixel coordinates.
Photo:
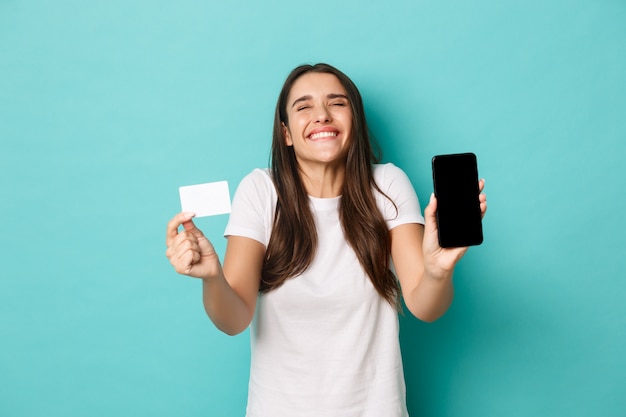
(319, 119)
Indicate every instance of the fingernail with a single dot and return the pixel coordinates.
(189, 214)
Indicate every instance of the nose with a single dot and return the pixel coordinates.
(323, 115)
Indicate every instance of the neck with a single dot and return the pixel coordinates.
(323, 181)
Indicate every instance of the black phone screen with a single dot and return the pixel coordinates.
(455, 180)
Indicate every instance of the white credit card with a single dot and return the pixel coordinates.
(208, 199)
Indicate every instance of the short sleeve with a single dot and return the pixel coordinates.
(394, 182)
(253, 206)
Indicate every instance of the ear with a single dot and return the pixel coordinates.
(287, 135)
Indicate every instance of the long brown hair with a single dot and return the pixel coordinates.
(293, 241)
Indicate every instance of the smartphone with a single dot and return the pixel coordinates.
(455, 181)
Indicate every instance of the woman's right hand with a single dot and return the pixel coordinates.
(189, 251)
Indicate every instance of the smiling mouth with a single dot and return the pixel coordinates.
(323, 135)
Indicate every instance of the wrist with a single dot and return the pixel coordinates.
(211, 279)
(437, 273)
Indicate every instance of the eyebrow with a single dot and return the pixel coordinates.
(330, 96)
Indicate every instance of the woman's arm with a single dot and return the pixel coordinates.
(228, 293)
(423, 268)
(231, 301)
(426, 294)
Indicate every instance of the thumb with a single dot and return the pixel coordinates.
(431, 208)
(205, 246)
(191, 228)
(430, 216)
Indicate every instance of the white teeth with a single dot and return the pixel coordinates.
(323, 135)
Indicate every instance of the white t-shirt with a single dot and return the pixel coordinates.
(325, 343)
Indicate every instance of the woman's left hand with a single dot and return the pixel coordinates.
(441, 261)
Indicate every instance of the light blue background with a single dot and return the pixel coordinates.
(106, 107)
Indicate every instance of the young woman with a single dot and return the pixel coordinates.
(312, 243)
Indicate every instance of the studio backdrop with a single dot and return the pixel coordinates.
(107, 107)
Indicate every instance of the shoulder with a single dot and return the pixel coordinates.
(256, 191)
(258, 175)
(398, 202)
(387, 174)
(258, 181)
(252, 208)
